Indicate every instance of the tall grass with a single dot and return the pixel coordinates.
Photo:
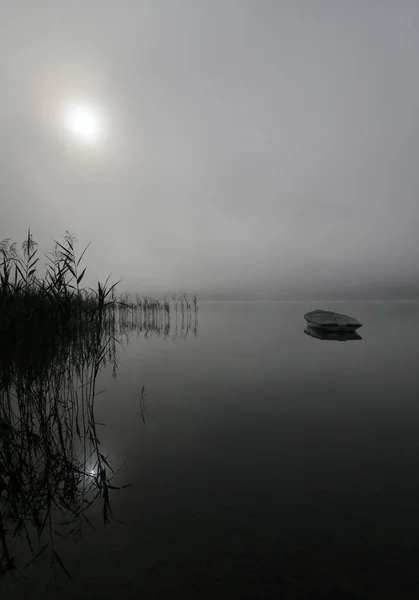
(54, 338)
(55, 302)
(52, 344)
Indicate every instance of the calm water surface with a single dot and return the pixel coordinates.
(270, 465)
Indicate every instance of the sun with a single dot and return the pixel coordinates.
(84, 124)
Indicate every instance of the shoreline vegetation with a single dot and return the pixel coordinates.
(55, 337)
(58, 300)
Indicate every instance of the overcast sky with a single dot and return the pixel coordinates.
(247, 144)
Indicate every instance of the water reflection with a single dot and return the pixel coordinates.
(339, 336)
(52, 465)
(149, 317)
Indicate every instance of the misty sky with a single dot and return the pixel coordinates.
(249, 144)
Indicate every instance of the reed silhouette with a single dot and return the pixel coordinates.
(55, 337)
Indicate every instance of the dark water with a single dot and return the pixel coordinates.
(271, 464)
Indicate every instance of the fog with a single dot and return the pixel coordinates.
(249, 145)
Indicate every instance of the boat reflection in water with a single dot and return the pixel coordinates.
(324, 334)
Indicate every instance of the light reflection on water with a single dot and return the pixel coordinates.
(53, 467)
(270, 464)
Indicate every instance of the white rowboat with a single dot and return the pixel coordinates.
(332, 321)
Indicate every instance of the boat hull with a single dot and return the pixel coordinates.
(331, 321)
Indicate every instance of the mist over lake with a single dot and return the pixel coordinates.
(209, 299)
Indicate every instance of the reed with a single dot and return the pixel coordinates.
(52, 468)
(54, 304)
(55, 336)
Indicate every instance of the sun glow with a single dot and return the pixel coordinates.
(84, 124)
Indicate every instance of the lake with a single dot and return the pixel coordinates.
(262, 462)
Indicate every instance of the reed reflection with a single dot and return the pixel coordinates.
(54, 339)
